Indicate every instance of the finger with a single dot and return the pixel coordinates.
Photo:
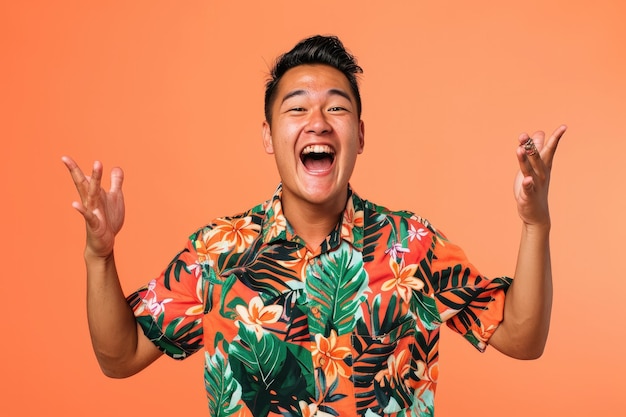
(117, 178)
(91, 219)
(94, 191)
(528, 184)
(531, 152)
(531, 144)
(525, 165)
(68, 162)
(80, 181)
(537, 137)
(552, 144)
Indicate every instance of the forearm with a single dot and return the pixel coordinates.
(111, 321)
(524, 330)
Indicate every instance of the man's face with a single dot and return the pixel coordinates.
(315, 134)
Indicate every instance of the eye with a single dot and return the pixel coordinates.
(337, 108)
(297, 109)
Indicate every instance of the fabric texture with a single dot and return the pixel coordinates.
(350, 330)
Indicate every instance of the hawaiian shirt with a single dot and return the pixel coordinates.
(351, 330)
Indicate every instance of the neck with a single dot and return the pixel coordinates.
(313, 222)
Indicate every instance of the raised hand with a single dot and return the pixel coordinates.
(103, 211)
(533, 180)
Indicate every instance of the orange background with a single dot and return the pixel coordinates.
(172, 92)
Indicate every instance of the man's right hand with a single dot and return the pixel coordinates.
(120, 345)
(103, 211)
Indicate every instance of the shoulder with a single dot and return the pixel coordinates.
(382, 213)
(250, 219)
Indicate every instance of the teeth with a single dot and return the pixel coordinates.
(318, 149)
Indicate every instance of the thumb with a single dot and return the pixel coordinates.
(117, 179)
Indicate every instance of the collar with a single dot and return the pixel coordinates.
(349, 228)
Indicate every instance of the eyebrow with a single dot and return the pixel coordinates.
(331, 92)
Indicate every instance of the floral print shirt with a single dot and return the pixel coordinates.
(352, 330)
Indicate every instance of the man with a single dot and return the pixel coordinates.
(317, 302)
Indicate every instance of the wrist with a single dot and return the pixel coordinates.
(537, 229)
(92, 257)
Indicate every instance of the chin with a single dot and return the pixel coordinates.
(326, 195)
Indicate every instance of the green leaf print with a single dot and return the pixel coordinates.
(404, 230)
(374, 223)
(426, 308)
(182, 334)
(269, 373)
(153, 331)
(223, 391)
(395, 313)
(391, 325)
(177, 265)
(265, 268)
(337, 287)
(263, 357)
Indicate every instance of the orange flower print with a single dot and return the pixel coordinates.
(427, 373)
(278, 223)
(403, 279)
(397, 368)
(238, 233)
(330, 357)
(257, 314)
(299, 263)
(351, 219)
(482, 334)
(206, 249)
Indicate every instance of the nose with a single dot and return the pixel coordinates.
(318, 123)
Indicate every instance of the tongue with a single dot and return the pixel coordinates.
(318, 163)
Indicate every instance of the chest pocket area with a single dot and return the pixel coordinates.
(383, 367)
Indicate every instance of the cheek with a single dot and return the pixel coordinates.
(282, 150)
(284, 138)
(355, 142)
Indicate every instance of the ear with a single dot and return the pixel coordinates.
(361, 136)
(267, 138)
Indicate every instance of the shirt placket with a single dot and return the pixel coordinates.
(314, 317)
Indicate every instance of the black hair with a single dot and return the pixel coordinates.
(327, 50)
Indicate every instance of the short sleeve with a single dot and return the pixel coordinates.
(169, 308)
(470, 304)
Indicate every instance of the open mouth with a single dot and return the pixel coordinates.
(317, 158)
